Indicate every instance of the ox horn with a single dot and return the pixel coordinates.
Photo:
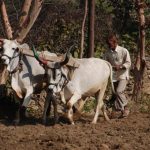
(66, 60)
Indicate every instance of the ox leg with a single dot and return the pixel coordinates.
(62, 97)
(16, 120)
(54, 102)
(70, 104)
(105, 113)
(26, 102)
(27, 97)
(81, 103)
(100, 103)
(48, 110)
(47, 105)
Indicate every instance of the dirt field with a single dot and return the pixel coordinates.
(132, 133)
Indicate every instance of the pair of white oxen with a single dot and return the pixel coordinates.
(90, 78)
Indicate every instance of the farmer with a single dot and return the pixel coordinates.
(120, 60)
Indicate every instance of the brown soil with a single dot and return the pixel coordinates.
(132, 133)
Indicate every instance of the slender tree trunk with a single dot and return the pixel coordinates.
(8, 29)
(83, 29)
(91, 28)
(140, 61)
(37, 5)
(24, 13)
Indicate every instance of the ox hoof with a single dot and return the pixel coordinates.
(108, 120)
(44, 121)
(56, 120)
(23, 113)
(93, 122)
(72, 123)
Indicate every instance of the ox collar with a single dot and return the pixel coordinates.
(63, 76)
(19, 66)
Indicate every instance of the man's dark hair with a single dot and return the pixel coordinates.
(112, 36)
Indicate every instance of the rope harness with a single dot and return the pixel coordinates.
(67, 78)
(19, 66)
(63, 76)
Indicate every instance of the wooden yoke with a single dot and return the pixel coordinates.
(72, 61)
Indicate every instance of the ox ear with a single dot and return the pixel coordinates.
(1, 40)
(16, 42)
(24, 46)
(1, 43)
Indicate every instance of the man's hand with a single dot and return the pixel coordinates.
(118, 67)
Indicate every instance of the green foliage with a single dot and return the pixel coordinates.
(129, 42)
(89, 105)
(62, 37)
(60, 21)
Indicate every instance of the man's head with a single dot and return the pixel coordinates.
(112, 41)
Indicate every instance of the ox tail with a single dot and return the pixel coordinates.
(111, 80)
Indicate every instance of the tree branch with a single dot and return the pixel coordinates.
(6, 23)
(31, 18)
(83, 27)
(24, 13)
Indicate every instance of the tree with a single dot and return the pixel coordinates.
(6, 23)
(82, 30)
(140, 60)
(91, 4)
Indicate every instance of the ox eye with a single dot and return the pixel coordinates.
(17, 49)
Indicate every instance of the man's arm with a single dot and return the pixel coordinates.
(126, 64)
(127, 60)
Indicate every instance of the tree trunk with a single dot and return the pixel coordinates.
(37, 5)
(7, 26)
(24, 13)
(140, 61)
(83, 29)
(91, 28)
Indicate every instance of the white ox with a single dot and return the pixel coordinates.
(25, 81)
(89, 79)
